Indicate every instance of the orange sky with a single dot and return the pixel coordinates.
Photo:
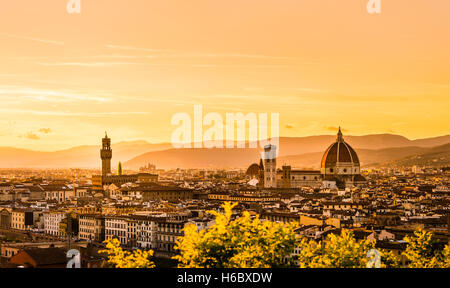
(128, 66)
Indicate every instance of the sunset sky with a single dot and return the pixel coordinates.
(128, 66)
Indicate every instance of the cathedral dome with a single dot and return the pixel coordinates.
(253, 170)
(339, 153)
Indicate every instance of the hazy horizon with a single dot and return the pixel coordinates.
(98, 142)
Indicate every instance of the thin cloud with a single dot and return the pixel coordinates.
(112, 64)
(239, 66)
(40, 40)
(248, 56)
(71, 114)
(122, 56)
(310, 90)
(45, 130)
(130, 48)
(31, 136)
(88, 64)
(335, 129)
(181, 54)
(15, 92)
(289, 126)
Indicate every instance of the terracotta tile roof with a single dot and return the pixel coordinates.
(47, 256)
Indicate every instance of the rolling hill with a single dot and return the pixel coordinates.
(242, 158)
(367, 157)
(79, 157)
(196, 158)
(435, 157)
(297, 151)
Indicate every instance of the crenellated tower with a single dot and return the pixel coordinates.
(106, 155)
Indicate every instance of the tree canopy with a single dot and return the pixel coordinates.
(240, 243)
(119, 258)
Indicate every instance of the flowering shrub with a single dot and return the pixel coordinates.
(119, 258)
(240, 243)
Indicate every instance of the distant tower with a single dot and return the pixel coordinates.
(106, 155)
(270, 166)
(287, 176)
(261, 174)
(119, 169)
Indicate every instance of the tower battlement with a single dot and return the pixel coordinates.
(106, 155)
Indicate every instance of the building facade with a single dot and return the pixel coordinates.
(52, 221)
(169, 230)
(92, 228)
(146, 232)
(5, 218)
(116, 227)
(288, 178)
(59, 193)
(22, 219)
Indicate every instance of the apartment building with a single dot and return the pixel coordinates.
(5, 218)
(116, 227)
(169, 229)
(22, 219)
(146, 231)
(92, 227)
(59, 193)
(52, 220)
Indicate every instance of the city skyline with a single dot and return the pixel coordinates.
(87, 73)
(225, 134)
(168, 145)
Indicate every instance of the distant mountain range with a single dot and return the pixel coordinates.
(434, 157)
(402, 157)
(77, 157)
(300, 152)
